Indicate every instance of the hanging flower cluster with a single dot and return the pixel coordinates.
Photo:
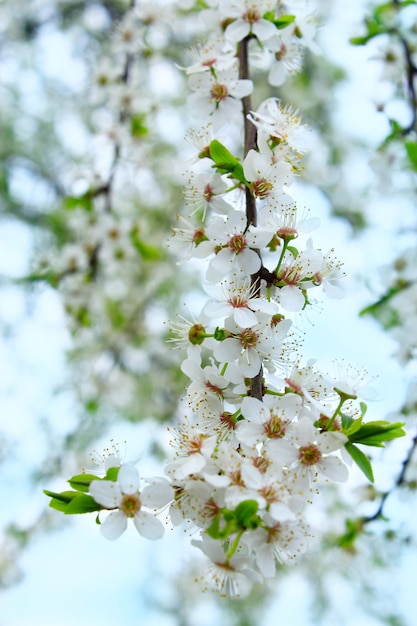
(261, 430)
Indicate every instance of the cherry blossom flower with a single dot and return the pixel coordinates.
(237, 299)
(218, 95)
(249, 346)
(279, 541)
(225, 573)
(265, 176)
(206, 191)
(283, 124)
(235, 245)
(307, 453)
(268, 420)
(214, 54)
(192, 241)
(125, 496)
(248, 19)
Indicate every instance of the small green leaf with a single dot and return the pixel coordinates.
(225, 161)
(72, 502)
(281, 22)
(82, 504)
(353, 427)
(137, 126)
(81, 482)
(293, 251)
(60, 501)
(112, 474)
(80, 202)
(361, 460)
(147, 252)
(284, 21)
(411, 147)
(377, 432)
(364, 409)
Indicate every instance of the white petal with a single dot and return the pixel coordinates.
(106, 493)
(237, 30)
(244, 317)
(114, 525)
(148, 526)
(333, 468)
(264, 29)
(248, 261)
(265, 560)
(291, 298)
(157, 494)
(128, 478)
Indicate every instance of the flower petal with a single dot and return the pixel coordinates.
(114, 525)
(106, 493)
(148, 526)
(128, 478)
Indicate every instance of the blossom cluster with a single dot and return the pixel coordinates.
(109, 264)
(261, 430)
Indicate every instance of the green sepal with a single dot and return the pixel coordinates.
(81, 482)
(220, 334)
(228, 522)
(361, 460)
(376, 433)
(246, 515)
(228, 528)
(225, 162)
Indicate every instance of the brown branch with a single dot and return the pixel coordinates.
(250, 134)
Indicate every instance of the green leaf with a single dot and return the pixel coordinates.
(411, 147)
(284, 21)
(378, 307)
(293, 251)
(72, 502)
(147, 252)
(60, 501)
(137, 126)
(361, 460)
(364, 409)
(81, 482)
(353, 426)
(281, 22)
(82, 504)
(225, 161)
(376, 433)
(79, 202)
(112, 474)
(353, 529)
